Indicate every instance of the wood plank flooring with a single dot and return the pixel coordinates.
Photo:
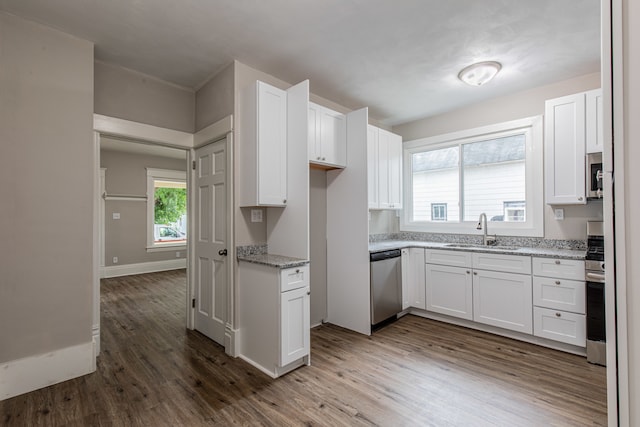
(414, 372)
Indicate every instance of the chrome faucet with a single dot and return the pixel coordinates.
(482, 225)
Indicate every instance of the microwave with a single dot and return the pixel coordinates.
(594, 176)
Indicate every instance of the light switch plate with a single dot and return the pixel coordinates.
(256, 215)
(116, 215)
(558, 214)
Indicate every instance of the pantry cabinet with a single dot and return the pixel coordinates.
(327, 137)
(384, 163)
(263, 146)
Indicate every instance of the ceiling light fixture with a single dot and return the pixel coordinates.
(479, 73)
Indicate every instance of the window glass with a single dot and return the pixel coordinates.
(435, 180)
(170, 211)
(494, 173)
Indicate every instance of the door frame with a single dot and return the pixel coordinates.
(112, 126)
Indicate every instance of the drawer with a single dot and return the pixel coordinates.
(559, 294)
(506, 263)
(560, 326)
(444, 257)
(559, 268)
(294, 278)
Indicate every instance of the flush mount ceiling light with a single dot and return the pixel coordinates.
(479, 73)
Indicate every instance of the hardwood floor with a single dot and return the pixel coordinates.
(152, 372)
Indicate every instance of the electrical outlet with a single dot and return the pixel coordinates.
(115, 259)
(177, 254)
(116, 215)
(256, 215)
(558, 214)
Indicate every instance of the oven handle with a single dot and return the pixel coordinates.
(594, 277)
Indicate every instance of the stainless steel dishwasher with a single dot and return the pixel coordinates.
(386, 285)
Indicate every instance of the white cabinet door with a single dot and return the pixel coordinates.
(263, 154)
(328, 129)
(594, 121)
(294, 325)
(372, 167)
(449, 290)
(503, 300)
(384, 142)
(405, 263)
(564, 149)
(416, 278)
(395, 170)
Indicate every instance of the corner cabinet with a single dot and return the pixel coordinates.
(263, 146)
(413, 278)
(384, 169)
(274, 320)
(327, 137)
(573, 127)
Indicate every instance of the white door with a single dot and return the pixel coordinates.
(294, 325)
(211, 240)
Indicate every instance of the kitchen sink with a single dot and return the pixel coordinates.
(483, 247)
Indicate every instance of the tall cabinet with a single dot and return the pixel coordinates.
(384, 162)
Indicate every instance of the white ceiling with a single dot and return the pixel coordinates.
(401, 58)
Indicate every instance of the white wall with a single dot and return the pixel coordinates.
(516, 106)
(46, 189)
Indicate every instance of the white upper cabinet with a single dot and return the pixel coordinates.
(327, 137)
(263, 146)
(564, 149)
(594, 121)
(384, 156)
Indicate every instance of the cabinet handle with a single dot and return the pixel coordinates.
(558, 315)
(323, 158)
(475, 273)
(557, 282)
(298, 270)
(308, 292)
(318, 158)
(468, 272)
(580, 198)
(284, 200)
(557, 262)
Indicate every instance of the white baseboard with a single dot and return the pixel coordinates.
(143, 267)
(231, 341)
(35, 372)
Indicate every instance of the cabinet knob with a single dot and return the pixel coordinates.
(475, 273)
(557, 262)
(318, 158)
(308, 291)
(298, 270)
(580, 198)
(284, 200)
(323, 158)
(557, 282)
(558, 315)
(468, 272)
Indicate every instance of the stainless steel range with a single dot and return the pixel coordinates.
(594, 276)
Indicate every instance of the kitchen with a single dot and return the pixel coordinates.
(386, 222)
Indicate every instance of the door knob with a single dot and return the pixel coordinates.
(222, 252)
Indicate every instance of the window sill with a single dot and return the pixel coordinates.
(167, 247)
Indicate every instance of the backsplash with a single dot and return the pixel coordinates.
(258, 249)
(529, 242)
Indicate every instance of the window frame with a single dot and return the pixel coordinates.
(532, 128)
(154, 174)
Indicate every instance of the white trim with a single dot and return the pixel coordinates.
(231, 340)
(167, 247)
(142, 132)
(169, 174)
(213, 132)
(95, 338)
(98, 239)
(144, 267)
(35, 372)
(533, 128)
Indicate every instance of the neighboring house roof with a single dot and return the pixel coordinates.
(498, 150)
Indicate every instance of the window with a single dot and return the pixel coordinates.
(451, 179)
(438, 211)
(166, 209)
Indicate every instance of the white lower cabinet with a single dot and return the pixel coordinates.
(413, 278)
(274, 317)
(449, 290)
(559, 299)
(503, 300)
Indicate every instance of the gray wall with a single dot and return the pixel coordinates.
(126, 237)
(215, 99)
(512, 107)
(129, 95)
(46, 189)
(318, 244)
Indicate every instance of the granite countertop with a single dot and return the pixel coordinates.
(507, 250)
(273, 260)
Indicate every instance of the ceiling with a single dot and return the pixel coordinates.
(400, 58)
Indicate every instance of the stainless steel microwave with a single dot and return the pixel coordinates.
(594, 176)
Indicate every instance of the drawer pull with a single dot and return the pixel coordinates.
(557, 282)
(475, 273)
(298, 270)
(557, 262)
(558, 315)
(468, 272)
